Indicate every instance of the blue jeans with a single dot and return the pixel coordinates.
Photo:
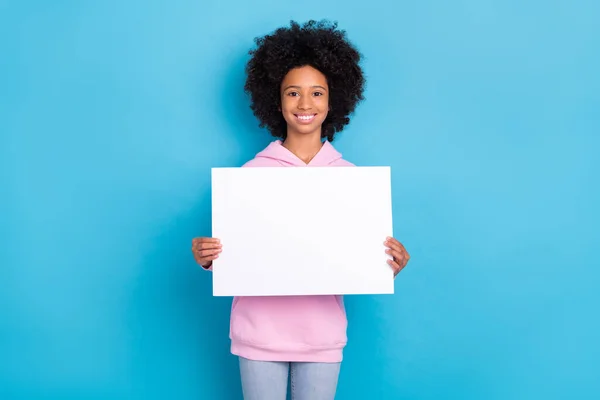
(267, 380)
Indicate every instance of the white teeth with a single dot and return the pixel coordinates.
(305, 117)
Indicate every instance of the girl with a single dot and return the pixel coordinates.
(304, 82)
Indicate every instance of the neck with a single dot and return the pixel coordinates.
(305, 147)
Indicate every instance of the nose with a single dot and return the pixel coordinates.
(304, 103)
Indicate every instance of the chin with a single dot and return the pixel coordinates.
(305, 129)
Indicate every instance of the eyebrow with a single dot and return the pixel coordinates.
(298, 87)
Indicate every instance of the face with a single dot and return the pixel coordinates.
(304, 100)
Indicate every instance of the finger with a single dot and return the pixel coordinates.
(206, 257)
(202, 244)
(208, 246)
(206, 262)
(207, 252)
(395, 266)
(397, 246)
(398, 255)
(198, 241)
(400, 259)
(394, 244)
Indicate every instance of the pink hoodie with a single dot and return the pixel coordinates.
(290, 328)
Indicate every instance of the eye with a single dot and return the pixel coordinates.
(292, 93)
(318, 94)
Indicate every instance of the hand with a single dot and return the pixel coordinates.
(399, 254)
(206, 250)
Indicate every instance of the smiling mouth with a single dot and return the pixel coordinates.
(305, 118)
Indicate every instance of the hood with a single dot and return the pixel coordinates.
(276, 152)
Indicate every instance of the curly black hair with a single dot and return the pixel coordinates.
(318, 44)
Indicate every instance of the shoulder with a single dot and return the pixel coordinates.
(261, 162)
(342, 163)
(346, 163)
(333, 157)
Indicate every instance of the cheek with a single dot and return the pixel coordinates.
(286, 105)
(285, 110)
(323, 103)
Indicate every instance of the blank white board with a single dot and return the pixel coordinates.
(302, 230)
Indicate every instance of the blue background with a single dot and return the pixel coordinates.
(112, 113)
